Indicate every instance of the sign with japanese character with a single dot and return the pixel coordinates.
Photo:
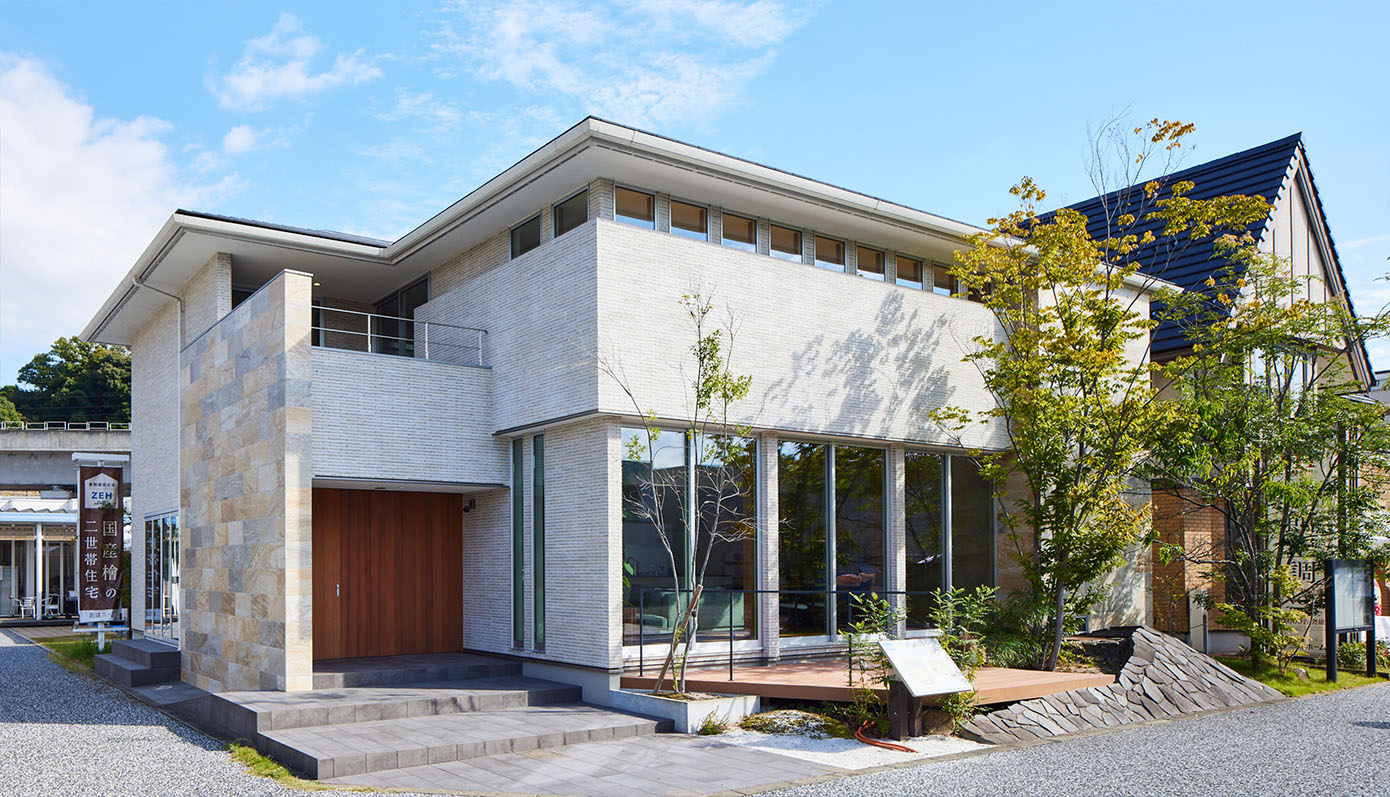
(99, 522)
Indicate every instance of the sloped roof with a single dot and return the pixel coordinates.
(1259, 171)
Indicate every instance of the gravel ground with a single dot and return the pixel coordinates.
(1335, 744)
(67, 734)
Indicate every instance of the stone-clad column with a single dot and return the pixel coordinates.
(768, 514)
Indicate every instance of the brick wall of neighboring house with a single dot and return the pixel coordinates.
(246, 444)
(1199, 530)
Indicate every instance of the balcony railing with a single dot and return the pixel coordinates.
(373, 333)
(66, 426)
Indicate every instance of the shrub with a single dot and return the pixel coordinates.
(712, 726)
(1352, 655)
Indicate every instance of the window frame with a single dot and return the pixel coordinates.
(878, 276)
(511, 236)
(742, 246)
(799, 256)
(949, 290)
(829, 265)
(683, 232)
(922, 264)
(555, 231)
(633, 221)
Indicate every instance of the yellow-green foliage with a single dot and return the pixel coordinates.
(797, 723)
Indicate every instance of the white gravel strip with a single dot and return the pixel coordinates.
(63, 733)
(846, 753)
(1331, 744)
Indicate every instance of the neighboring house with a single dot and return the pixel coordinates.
(38, 512)
(375, 447)
(1296, 229)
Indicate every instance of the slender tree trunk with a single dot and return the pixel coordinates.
(1054, 650)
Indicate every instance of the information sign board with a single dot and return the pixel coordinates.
(924, 667)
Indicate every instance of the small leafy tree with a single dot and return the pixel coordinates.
(710, 514)
(869, 669)
(963, 617)
(1269, 434)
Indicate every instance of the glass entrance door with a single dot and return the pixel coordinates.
(162, 598)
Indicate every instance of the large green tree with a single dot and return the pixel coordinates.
(1270, 432)
(1067, 368)
(73, 381)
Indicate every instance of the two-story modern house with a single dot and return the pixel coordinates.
(369, 447)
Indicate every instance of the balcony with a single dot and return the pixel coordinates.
(373, 333)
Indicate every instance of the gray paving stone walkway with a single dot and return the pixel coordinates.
(665, 764)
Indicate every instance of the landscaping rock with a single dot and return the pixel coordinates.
(1162, 678)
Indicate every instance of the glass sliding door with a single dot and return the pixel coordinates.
(860, 529)
(972, 526)
(726, 477)
(9, 580)
(801, 538)
(655, 549)
(922, 504)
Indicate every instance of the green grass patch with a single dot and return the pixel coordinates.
(1293, 686)
(73, 652)
(264, 767)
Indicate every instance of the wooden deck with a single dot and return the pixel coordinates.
(827, 680)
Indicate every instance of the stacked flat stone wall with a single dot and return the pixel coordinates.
(247, 568)
(1163, 678)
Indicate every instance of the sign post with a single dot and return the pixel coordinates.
(1350, 606)
(923, 668)
(100, 543)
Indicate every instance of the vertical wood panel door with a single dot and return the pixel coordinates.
(388, 573)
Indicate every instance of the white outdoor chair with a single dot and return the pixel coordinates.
(51, 607)
(26, 607)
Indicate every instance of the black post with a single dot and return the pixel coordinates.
(1329, 612)
(904, 712)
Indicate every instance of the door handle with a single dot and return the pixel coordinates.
(337, 590)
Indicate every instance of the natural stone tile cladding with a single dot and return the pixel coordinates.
(362, 429)
(828, 353)
(154, 433)
(1163, 678)
(245, 426)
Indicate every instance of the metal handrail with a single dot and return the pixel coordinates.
(68, 426)
(417, 341)
(827, 593)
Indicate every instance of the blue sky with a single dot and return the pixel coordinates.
(369, 118)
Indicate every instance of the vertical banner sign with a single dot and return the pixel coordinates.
(99, 543)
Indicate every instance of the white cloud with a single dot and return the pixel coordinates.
(81, 197)
(642, 62)
(241, 138)
(433, 115)
(277, 65)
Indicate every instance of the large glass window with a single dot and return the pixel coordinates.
(634, 207)
(909, 272)
(654, 541)
(518, 546)
(571, 213)
(942, 281)
(830, 253)
(859, 526)
(726, 478)
(538, 541)
(972, 526)
(690, 221)
(801, 538)
(393, 327)
(925, 562)
(740, 232)
(526, 236)
(870, 263)
(786, 243)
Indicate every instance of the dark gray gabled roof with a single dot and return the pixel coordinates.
(331, 235)
(1259, 171)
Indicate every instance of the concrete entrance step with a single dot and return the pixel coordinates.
(245, 714)
(409, 669)
(335, 751)
(138, 662)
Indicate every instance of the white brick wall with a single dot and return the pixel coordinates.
(154, 433)
(207, 296)
(487, 572)
(828, 353)
(381, 417)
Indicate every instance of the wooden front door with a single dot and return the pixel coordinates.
(388, 573)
